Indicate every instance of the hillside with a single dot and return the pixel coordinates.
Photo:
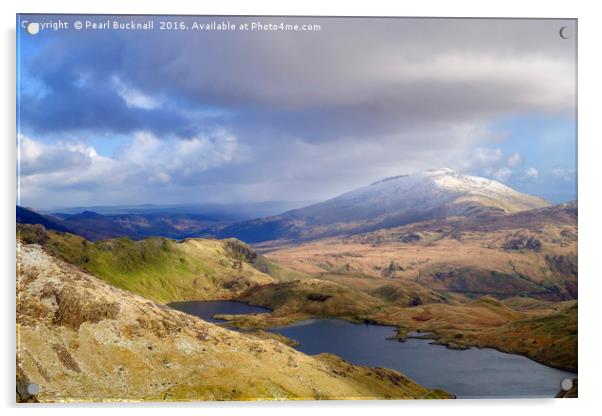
(530, 253)
(161, 269)
(81, 339)
(390, 202)
(550, 338)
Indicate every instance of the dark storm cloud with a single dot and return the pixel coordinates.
(354, 77)
(356, 101)
(80, 93)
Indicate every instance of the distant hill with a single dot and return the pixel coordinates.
(143, 221)
(94, 226)
(214, 211)
(29, 216)
(390, 202)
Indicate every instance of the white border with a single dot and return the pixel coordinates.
(589, 194)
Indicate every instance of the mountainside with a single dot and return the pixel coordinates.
(161, 269)
(528, 253)
(81, 339)
(388, 203)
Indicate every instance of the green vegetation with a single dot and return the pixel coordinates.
(547, 334)
(277, 271)
(550, 339)
(157, 268)
(301, 299)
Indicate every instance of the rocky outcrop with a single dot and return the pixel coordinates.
(392, 269)
(523, 243)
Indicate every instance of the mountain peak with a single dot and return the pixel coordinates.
(390, 202)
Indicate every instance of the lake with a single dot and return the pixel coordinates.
(471, 373)
(206, 309)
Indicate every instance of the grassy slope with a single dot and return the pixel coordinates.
(157, 268)
(301, 299)
(548, 339)
(354, 298)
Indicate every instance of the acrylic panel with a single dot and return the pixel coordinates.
(295, 208)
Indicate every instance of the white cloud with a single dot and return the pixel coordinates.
(485, 156)
(531, 172)
(565, 173)
(146, 165)
(514, 159)
(36, 157)
(502, 174)
(135, 98)
(178, 157)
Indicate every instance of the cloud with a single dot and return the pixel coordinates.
(487, 156)
(531, 172)
(162, 161)
(41, 158)
(514, 159)
(502, 174)
(270, 115)
(565, 174)
(391, 75)
(134, 98)
(494, 163)
(139, 169)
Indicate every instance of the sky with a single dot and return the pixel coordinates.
(118, 117)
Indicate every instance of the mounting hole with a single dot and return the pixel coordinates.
(33, 389)
(566, 384)
(33, 28)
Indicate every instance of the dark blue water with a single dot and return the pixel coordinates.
(206, 309)
(472, 373)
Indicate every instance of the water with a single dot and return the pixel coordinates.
(472, 373)
(206, 309)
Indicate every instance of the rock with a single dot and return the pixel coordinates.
(392, 269)
(240, 250)
(523, 243)
(410, 237)
(318, 297)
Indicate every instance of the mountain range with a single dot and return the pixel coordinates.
(391, 202)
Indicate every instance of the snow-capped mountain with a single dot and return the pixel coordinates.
(442, 190)
(390, 202)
